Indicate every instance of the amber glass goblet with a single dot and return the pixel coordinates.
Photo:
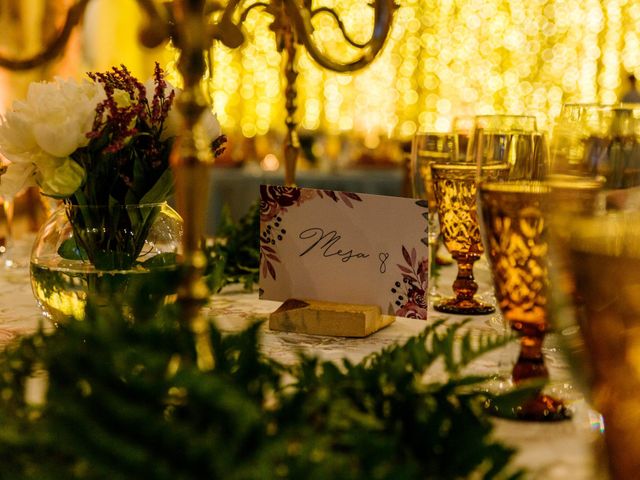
(455, 191)
(605, 266)
(514, 221)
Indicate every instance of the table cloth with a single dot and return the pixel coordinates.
(549, 451)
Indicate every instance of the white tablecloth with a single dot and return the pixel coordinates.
(548, 451)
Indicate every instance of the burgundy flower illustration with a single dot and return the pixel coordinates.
(346, 197)
(411, 310)
(411, 300)
(272, 234)
(275, 199)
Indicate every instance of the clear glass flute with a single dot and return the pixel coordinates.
(462, 126)
(590, 140)
(428, 148)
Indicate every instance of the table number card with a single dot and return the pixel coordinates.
(344, 247)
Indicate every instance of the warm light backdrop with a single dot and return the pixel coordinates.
(444, 59)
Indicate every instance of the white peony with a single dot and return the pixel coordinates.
(18, 176)
(39, 134)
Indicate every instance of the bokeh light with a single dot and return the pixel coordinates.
(444, 59)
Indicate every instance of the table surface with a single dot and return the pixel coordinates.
(549, 451)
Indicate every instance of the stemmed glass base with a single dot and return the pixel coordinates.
(464, 307)
(465, 288)
(530, 367)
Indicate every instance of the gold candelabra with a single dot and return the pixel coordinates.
(292, 25)
(193, 26)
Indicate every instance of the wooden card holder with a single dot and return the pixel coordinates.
(328, 318)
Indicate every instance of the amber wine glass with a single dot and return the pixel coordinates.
(514, 224)
(605, 267)
(515, 228)
(455, 191)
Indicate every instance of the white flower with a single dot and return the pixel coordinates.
(61, 114)
(39, 134)
(17, 176)
(210, 125)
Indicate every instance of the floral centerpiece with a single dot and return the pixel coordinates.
(101, 147)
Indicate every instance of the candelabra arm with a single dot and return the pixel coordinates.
(335, 16)
(158, 19)
(226, 31)
(301, 18)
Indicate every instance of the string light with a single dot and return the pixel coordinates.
(444, 58)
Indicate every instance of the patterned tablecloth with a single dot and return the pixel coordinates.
(549, 451)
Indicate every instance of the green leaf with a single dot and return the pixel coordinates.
(113, 260)
(162, 189)
(234, 255)
(70, 250)
(165, 259)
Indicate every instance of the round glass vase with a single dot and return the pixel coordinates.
(106, 254)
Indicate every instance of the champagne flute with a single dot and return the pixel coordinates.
(462, 126)
(428, 148)
(592, 140)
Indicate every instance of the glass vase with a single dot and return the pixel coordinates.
(104, 254)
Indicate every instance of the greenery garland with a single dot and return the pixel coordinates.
(234, 254)
(125, 400)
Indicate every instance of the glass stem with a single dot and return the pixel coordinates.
(464, 285)
(530, 362)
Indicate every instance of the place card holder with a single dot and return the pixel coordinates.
(315, 317)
